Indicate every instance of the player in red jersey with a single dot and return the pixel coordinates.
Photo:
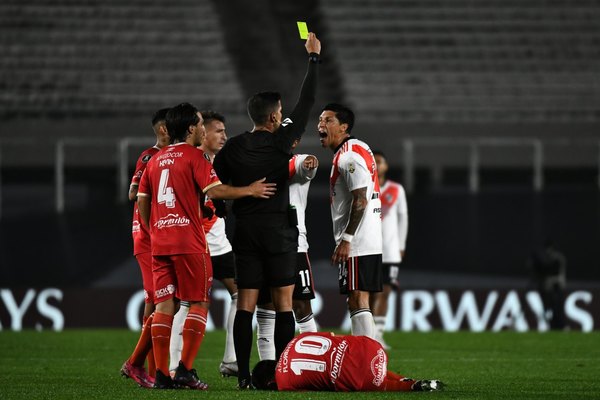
(328, 362)
(169, 195)
(221, 255)
(134, 366)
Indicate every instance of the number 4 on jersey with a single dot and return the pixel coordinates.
(165, 193)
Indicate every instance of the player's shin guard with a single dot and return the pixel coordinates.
(284, 331)
(242, 337)
(161, 335)
(193, 333)
(176, 338)
(265, 333)
(229, 355)
(362, 323)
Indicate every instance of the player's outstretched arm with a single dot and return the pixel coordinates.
(258, 189)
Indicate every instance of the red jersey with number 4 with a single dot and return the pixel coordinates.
(324, 361)
(174, 179)
(139, 232)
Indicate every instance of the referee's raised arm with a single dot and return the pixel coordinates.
(293, 127)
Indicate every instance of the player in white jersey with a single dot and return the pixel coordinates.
(356, 215)
(395, 228)
(302, 168)
(221, 253)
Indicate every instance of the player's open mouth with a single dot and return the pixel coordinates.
(322, 134)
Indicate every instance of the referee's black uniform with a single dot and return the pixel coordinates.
(266, 237)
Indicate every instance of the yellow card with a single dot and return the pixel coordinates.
(302, 29)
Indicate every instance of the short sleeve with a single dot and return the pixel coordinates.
(353, 169)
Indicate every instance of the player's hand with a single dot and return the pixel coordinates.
(313, 45)
(402, 253)
(310, 163)
(340, 253)
(262, 190)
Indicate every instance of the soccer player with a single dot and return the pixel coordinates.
(395, 228)
(168, 201)
(134, 366)
(303, 168)
(221, 254)
(266, 237)
(325, 361)
(356, 214)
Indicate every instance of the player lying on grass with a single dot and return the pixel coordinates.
(328, 362)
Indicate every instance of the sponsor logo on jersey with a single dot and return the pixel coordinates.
(379, 367)
(166, 291)
(286, 122)
(337, 355)
(172, 220)
(135, 227)
(306, 290)
(351, 168)
(146, 158)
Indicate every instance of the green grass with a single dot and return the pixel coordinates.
(84, 364)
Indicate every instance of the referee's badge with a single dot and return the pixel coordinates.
(351, 168)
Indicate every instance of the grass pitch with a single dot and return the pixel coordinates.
(84, 364)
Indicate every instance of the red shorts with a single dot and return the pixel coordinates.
(186, 276)
(145, 262)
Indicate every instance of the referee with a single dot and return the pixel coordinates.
(266, 237)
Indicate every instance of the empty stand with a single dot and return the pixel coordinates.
(97, 58)
(469, 61)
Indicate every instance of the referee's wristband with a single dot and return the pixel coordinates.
(346, 237)
(314, 57)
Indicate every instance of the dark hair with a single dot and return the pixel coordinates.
(342, 113)
(379, 153)
(159, 116)
(210, 115)
(179, 119)
(261, 105)
(263, 375)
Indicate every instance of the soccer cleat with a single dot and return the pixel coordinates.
(163, 381)
(245, 384)
(188, 378)
(427, 385)
(138, 374)
(228, 369)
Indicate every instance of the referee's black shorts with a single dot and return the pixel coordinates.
(304, 288)
(265, 248)
(362, 273)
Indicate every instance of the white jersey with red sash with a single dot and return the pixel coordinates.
(299, 184)
(395, 221)
(354, 168)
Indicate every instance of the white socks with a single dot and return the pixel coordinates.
(362, 323)
(379, 328)
(307, 324)
(229, 355)
(176, 338)
(265, 333)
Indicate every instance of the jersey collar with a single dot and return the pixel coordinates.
(343, 141)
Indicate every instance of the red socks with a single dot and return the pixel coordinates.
(396, 383)
(193, 334)
(144, 345)
(161, 338)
